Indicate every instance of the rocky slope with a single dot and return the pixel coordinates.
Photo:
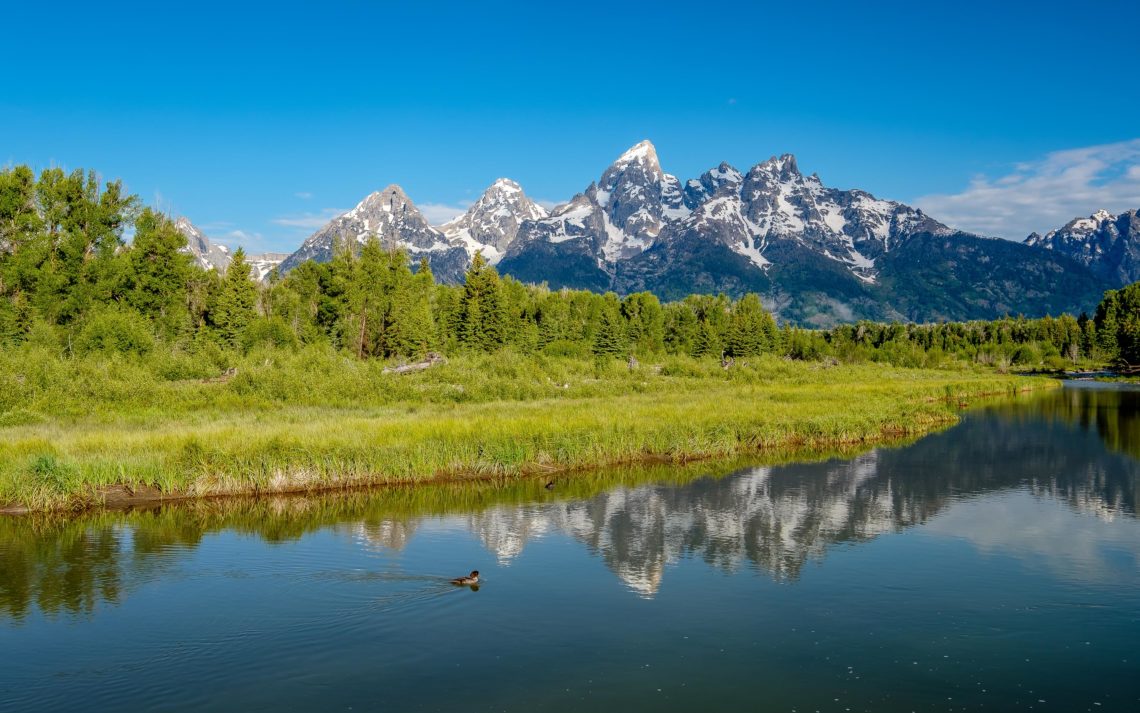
(1109, 245)
(492, 222)
(212, 256)
(208, 255)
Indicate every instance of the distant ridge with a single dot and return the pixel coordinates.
(816, 255)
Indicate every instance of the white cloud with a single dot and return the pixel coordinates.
(251, 242)
(1040, 531)
(1044, 194)
(309, 221)
(303, 195)
(439, 213)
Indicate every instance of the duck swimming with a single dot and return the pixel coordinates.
(467, 581)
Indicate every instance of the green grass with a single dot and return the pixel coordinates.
(71, 429)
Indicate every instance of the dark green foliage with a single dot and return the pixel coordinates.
(236, 303)
(610, 338)
(1118, 325)
(646, 320)
(751, 330)
(157, 281)
(483, 316)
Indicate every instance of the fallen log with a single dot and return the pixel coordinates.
(429, 361)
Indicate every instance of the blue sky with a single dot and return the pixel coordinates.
(258, 122)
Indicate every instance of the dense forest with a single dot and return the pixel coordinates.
(86, 269)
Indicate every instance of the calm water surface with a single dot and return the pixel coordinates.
(993, 566)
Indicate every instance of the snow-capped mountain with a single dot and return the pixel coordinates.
(492, 222)
(488, 226)
(635, 206)
(1107, 244)
(396, 222)
(615, 218)
(775, 202)
(816, 255)
(260, 266)
(213, 256)
(208, 255)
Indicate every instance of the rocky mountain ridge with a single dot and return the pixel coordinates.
(817, 255)
(213, 256)
(1107, 244)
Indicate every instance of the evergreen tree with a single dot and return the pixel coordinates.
(483, 317)
(1128, 325)
(646, 320)
(411, 325)
(235, 306)
(750, 328)
(19, 219)
(159, 272)
(1107, 325)
(611, 338)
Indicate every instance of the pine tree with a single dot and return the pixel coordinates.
(483, 317)
(646, 319)
(611, 338)
(1128, 321)
(748, 333)
(235, 306)
(1107, 325)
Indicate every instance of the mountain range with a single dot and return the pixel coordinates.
(816, 255)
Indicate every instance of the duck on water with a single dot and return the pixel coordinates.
(467, 581)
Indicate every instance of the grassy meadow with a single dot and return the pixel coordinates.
(73, 431)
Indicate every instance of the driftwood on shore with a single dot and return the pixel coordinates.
(429, 361)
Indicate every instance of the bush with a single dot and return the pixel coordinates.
(115, 331)
(1027, 355)
(568, 348)
(273, 332)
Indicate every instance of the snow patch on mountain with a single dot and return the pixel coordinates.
(208, 255)
(493, 221)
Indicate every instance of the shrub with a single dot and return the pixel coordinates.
(115, 331)
(273, 331)
(1027, 355)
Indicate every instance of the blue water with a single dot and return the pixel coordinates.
(993, 566)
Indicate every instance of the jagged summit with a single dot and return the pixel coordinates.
(817, 254)
(395, 221)
(1107, 244)
(618, 216)
(208, 255)
(783, 165)
(641, 151)
(492, 222)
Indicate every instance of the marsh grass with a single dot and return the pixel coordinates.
(313, 419)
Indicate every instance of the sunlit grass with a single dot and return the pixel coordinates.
(316, 420)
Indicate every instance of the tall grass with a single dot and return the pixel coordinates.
(315, 420)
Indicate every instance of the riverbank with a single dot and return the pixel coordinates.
(299, 425)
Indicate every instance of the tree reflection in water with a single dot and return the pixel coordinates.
(1079, 446)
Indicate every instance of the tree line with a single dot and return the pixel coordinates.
(70, 275)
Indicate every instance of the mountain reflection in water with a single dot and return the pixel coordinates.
(1078, 446)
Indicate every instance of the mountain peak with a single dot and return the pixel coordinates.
(492, 222)
(505, 185)
(641, 151)
(207, 254)
(783, 165)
